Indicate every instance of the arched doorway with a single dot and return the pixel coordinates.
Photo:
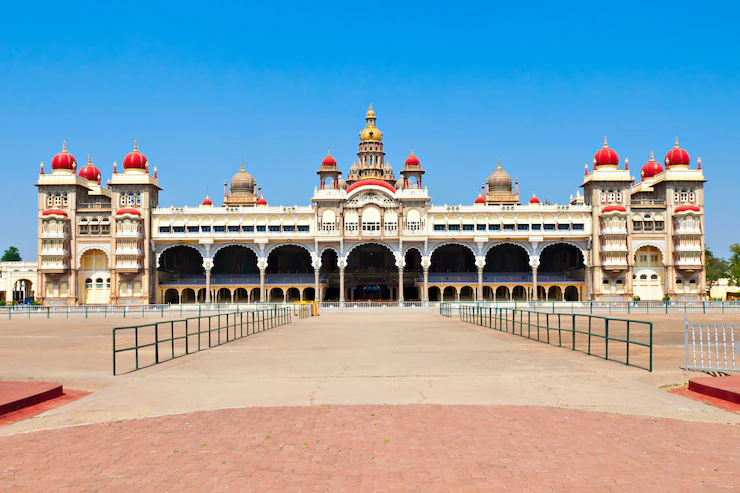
(276, 295)
(94, 275)
(180, 262)
(454, 260)
(555, 293)
(171, 297)
(648, 273)
(449, 294)
(241, 295)
(434, 293)
(289, 259)
(330, 274)
(235, 262)
(309, 294)
(502, 293)
(467, 293)
(293, 294)
(519, 293)
(188, 295)
(412, 275)
(223, 295)
(22, 290)
(371, 273)
(571, 293)
(507, 258)
(561, 261)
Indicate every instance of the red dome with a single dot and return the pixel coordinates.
(651, 168)
(677, 156)
(90, 172)
(371, 181)
(412, 160)
(614, 208)
(687, 208)
(64, 160)
(534, 200)
(262, 201)
(207, 201)
(54, 212)
(480, 200)
(134, 212)
(135, 159)
(329, 160)
(606, 156)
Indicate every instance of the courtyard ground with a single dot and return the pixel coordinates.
(362, 402)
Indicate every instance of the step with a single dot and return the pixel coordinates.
(725, 388)
(19, 395)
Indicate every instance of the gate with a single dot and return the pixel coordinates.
(711, 347)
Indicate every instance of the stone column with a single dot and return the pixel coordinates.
(316, 285)
(400, 284)
(208, 285)
(589, 284)
(425, 294)
(341, 284)
(534, 284)
(263, 289)
(479, 294)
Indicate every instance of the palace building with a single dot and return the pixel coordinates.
(372, 234)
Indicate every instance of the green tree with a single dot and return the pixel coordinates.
(717, 268)
(734, 262)
(11, 255)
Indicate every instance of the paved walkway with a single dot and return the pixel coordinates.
(377, 448)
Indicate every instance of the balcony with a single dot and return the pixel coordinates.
(129, 251)
(332, 232)
(129, 234)
(689, 264)
(127, 267)
(56, 235)
(614, 264)
(614, 248)
(614, 231)
(648, 203)
(687, 231)
(688, 248)
(54, 252)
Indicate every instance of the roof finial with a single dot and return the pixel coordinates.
(242, 164)
(652, 156)
(328, 152)
(136, 145)
(626, 163)
(42, 167)
(676, 141)
(585, 171)
(89, 159)
(64, 146)
(115, 165)
(499, 163)
(605, 144)
(698, 161)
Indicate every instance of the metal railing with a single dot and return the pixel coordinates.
(128, 311)
(711, 347)
(604, 337)
(608, 307)
(172, 339)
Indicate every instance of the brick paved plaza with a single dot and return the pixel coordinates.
(380, 402)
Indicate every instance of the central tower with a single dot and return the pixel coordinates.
(370, 154)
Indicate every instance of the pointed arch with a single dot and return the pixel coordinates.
(194, 246)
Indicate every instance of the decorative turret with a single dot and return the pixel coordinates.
(242, 189)
(370, 153)
(63, 161)
(412, 172)
(329, 170)
(677, 158)
(500, 189)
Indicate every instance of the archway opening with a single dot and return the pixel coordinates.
(293, 294)
(507, 258)
(241, 295)
(434, 293)
(559, 262)
(487, 293)
(256, 295)
(94, 277)
(330, 275)
(309, 294)
(502, 293)
(188, 295)
(371, 274)
(202, 295)
(412, 276)
(180, 262)
(452, 259)
(571, 293)
(519, 293)
(171, 297)
(276, 295)
(555, 293)
(467, 293)
(648, 273)
(449, 294)
(289, 259)
(223, 295)
(235, 261)
(22, 290)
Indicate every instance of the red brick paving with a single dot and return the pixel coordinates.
(707, 399)
(377, 448)
(31, 411)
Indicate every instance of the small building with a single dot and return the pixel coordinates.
(17, 281)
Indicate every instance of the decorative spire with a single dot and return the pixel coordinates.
(585, 171)
(42, 167)
(98, 178)
(64, 146)
(89, 159)
(136, 146)
(155, 172)
(698, 161)
(115, 166)
(626, 163)
(605, 144)
(676, 146)
(242, 164)
(499, 163)
(652, 156)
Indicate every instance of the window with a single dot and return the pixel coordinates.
(563, 227)
(288, 229)
(205, 229)
(219, 229)
(262, 229)
(233, 229)
(637, 225)
(619, 281)
(88, 283)
(248, 229)
(454, 227)
(654, 277)
(99, 283)
(494, 227)
(578, 227)
(692, 281)
(467, 227)
(164, 229)
(123, 199)
(303, 229)
(178, 229)
(643, 258)
(648, 226)
(659, 225)
(107, 283)
(643, 277)
(522, 227)
(536, 227)
(605, 281)
(105, 229)
(138, 198)
(679, 281)
(193, 229)
(480, 227)
(83, 229)
(508, 227)
(603, 197)
(549, 227)
(94, 229)
(654, 258)
(276, 229)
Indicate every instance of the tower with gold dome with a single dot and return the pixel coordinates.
(371, 162)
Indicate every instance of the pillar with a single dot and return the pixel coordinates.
(316, 287)
(263, 291)
(534, 284)
(208, 286)
(425, 294)
(589, 284)
(479, 294)
(341, 284)
(400, 284)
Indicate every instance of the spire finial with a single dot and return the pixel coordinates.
(585, 170)
(136, 145)
(626, 163)
(42, 167)
(605, 144)
(676, 141)
(115, 165)
(698, 161)
(328, 152)
(652, 156)
(89, 159)
(242, 164)
(64, 146)
(499, 163)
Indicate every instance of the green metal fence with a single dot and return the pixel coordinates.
(607, 307)
(154, 343)
(128, 311)
(614, 339)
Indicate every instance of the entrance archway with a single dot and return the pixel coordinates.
(235, 261)
(289, 259)
(648, 273)
(412, 275)
(94, 277)
(22, 290)
(507, 258)
(330, 275)
(571, 293)
(371, 273)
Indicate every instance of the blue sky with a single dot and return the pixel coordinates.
(537, 83)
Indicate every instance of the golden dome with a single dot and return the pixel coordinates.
(370, 133)
(499, 180)
(243, 183)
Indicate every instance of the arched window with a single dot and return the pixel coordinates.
(131, 198)
(64, 199)
(643, 277)
(138, 198)
(603, 197)
(612, 196)
(99, 283)
(654, 277)
(88, 283)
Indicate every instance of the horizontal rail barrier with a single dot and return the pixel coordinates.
(712, 347)
(613, 339)
(155, 343)
(608, 307)
(129, 311)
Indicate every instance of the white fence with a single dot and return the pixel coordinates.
(371, 306)
(712, 347)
